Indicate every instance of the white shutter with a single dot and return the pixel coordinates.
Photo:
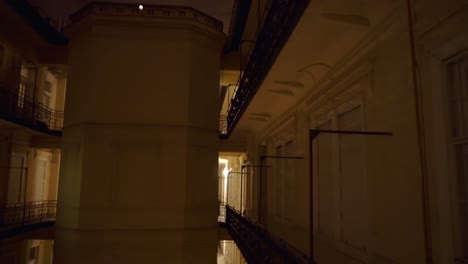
(40, 184)
(324, 170)
(353, 180)
(16, 179)
(279, 182)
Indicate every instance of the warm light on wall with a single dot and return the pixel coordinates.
(225, 171)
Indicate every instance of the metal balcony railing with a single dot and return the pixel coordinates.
(223, 125)
(13, 216)
(24, 111)
(279, 20)
(256, 244)
(48, 28)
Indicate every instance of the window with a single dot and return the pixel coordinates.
(33, 255)
(46, 97)
(458, 118)
(26, 83)
(340, 162)
(458, 97)
(284, 181)
(325, 183)
(21, 93)
(40, 183)
(352, 180)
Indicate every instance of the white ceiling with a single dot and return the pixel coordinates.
(328, 30)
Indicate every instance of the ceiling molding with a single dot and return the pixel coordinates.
(263, 114)
(355, 20)
(259, 119)
(290, 83)
(283, 92)
(362, 52)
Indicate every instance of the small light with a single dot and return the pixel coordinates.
(140, 7)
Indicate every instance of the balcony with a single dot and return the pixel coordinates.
(256, 244)
(20, 215)
(279, 20)
(25, 111)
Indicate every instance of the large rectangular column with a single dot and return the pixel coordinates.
(138, 178)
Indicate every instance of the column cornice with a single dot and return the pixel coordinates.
(125, 10)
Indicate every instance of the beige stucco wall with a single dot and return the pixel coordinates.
(140, 142)
(379, 79)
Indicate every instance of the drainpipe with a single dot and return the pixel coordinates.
(421, 136)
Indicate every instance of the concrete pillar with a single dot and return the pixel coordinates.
(138, 177)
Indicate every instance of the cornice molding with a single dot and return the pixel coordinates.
(115, 10)
(351, 68)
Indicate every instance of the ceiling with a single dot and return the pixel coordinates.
(219, 9)
(327, 32)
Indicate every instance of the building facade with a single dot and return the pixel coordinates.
(343, 129)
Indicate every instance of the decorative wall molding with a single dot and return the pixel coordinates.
(437, 46)
(358, 63)
(109, 9)
(282, 134)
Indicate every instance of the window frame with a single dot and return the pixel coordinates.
(454, 142)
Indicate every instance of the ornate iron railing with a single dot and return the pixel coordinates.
(222, 213)
(256, 244)
(17, 215)
(279, 21)
(223, 125)
(47, 27)
(24, 111)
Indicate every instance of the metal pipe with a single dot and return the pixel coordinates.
(260, 182)
(311, 198)
(421, 137)
(241, 189)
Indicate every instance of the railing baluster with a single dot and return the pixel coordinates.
(25, 111)
(42, 211)
(256, 244)
(24, 214)
(280, 19)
